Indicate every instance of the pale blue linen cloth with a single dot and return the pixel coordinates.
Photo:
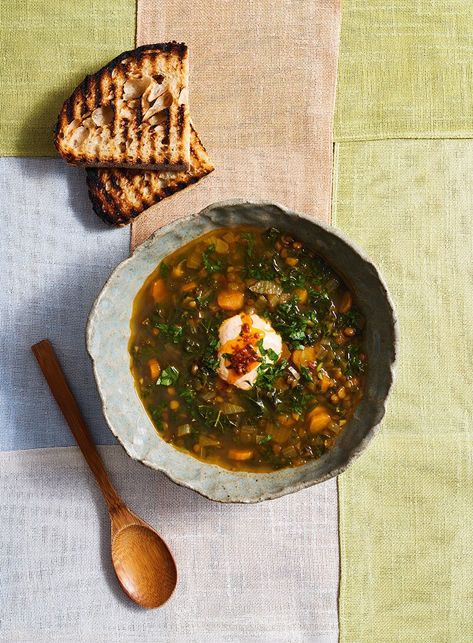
(55, 257)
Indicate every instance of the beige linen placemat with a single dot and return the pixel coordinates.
(262, 90)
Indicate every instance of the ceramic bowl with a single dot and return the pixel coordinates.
(108, 333)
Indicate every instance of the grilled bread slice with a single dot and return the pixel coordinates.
(133, 112)
(118, 195)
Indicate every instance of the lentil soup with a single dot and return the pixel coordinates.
(246, 350)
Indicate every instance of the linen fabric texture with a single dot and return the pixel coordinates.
(262, 93)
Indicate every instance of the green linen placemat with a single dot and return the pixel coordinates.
(47, 48)
(406, 522)
(405, 70)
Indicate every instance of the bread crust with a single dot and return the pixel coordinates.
(119, 195)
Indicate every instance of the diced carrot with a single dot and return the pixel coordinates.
(346, 302)
(221, 247)
(159, 291)
(325, 383)
(285, 420)
(281, 434)
(154, 368)
(230, 237)
(285, 352)
(296, 357)
(240, 454)
(302, 357)
(319, 422)
(230, 300)
(178, 270)
(319, 409)
(188, 287)
(301, 294)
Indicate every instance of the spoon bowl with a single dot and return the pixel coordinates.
(149, 578)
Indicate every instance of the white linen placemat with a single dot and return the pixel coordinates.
(259, 573)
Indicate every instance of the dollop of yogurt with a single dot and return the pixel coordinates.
(240, 356)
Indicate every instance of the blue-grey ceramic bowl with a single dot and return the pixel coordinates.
(108, 334)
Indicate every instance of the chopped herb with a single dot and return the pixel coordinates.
(202, 299)
(265, 439)
(209, 415)
(273, 234)
(250, 243)
(296, 327)
(291, 323)
(256, 268)
(157, 414)
(270, 353)
(168, 377)
(293, 279)
(321, 301)
(260, 270)
(211, 264)
(209, 359)
(354, 364)
(305, 373)
(352, 319)
(163, 269)
(269, 373)
(171, 331)
(295, 400)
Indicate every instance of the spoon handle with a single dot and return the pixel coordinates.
(54, 375)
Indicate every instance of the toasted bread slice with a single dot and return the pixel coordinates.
(118, 195)
(133, 112)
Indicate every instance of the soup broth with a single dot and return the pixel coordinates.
(246, 350)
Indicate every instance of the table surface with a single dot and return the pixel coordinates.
(403, 515)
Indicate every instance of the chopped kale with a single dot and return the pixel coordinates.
(156, 413)
(170, 331)
(208, 415)
(268, 373)
(291, 323)
(250, 243)
(265, 439)
(306, 374)
(355, 365)
(168, 377)
(273, 234)
(295, 400)
(293, 279)
(163, 269)
(211, 263)
(260, 270)
(352, 318)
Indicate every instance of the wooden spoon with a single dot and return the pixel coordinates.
(143, 563)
